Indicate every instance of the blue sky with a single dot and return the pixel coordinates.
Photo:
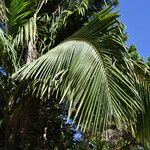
(136, 16)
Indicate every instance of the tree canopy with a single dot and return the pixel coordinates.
(68, 59)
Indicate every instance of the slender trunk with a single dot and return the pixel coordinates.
(29, 123)
(11, 131)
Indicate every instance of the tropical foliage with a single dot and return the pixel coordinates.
(68, 58)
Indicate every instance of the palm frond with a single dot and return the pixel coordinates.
(82, 7)
(27, 35)
(19, 13)
(83, 69)
(3, 10)
(60, 20)
(143, 87)
(8, 55)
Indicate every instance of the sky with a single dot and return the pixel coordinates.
(135, 14)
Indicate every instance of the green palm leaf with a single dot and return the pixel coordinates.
(91, 71)
(8, 55)
(143, 88)
(19, 13)
(3, 11)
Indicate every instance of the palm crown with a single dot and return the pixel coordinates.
(92, 70)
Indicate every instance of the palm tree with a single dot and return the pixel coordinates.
(142, 72)
(20, 37)
(91, 70)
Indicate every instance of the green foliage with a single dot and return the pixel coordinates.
(143, 88)
(8, 55)
(84, 62)
(148, 58)
(148, 61)
(18, 14)
(3, 11)
(134, 53)
(68, 17)
(93, 84)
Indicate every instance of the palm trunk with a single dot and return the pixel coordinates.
(29, 123)
(11, 131)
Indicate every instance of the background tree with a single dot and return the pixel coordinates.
(83, 60)
(148, 61)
